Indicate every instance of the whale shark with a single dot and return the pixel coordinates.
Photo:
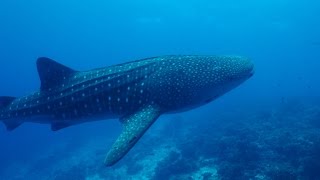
(136, 92)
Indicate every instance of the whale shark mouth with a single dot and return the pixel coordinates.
(251, 73)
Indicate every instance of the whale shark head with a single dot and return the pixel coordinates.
(191, 81)
(227, 72)
(231, 70)
(213, 76)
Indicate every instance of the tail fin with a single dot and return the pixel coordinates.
(4, 102)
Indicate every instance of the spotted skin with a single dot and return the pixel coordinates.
(137, 92)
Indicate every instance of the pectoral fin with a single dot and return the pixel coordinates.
(134, 126)
(11, 125)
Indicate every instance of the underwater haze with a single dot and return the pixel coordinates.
(267, 128)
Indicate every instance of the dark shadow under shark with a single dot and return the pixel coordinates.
(137, 92)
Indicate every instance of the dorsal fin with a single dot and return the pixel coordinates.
(52, 73)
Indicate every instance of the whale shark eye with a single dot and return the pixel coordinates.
(232, 78)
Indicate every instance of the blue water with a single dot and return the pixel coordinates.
(268, 128)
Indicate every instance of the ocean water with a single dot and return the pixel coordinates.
(268, 128)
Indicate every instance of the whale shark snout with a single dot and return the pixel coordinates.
(239, 68)
(248, 67)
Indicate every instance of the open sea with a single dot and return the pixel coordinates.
(268, 128)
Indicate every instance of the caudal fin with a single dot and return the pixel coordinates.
(4, 102)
